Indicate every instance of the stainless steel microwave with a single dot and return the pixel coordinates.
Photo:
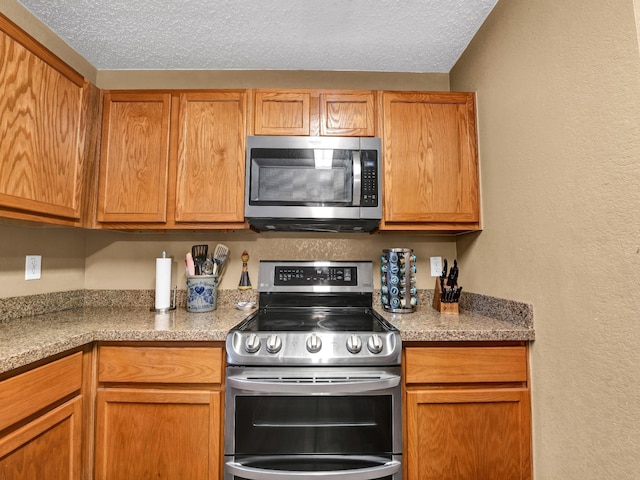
(322, 184)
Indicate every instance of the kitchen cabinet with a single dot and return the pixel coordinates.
(315, 112)
(467, 413)
(172, 160)
(159, 412)
(430, 162)
(134, 160)
(41, 413)
(46, 112)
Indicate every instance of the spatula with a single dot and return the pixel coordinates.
(199, 254)
(220, 255)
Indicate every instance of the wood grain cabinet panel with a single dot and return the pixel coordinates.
(169, 434)
(467, 413)
(468, 434)
(211, 162)
(159, 412)
(315, 112)
(282, 113)
(160, 364)
(49, 447)
(348, 114)
(430, 162)
(42, 129)
(41, 422)
(134, 158)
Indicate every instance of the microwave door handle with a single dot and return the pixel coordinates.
(357, 178)
(369, 473)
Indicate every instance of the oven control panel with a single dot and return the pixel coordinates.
(335, 276)
(323, 348)
(285, 275)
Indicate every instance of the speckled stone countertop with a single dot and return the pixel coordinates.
(27, 339)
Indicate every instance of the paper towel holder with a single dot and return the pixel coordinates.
(173, 303)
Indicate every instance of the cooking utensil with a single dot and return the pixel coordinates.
(220, 255)
(199, 254)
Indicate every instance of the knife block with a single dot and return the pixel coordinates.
(443, 307)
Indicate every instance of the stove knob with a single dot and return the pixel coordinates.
(374, 344)
(354, 344)
(252, 343)
(274, 344)
(314, 344)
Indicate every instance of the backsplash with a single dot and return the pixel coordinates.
(520, 314)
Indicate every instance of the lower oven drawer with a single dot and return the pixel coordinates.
(325, 467)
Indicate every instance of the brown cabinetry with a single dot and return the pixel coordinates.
(314, 112)
(430, 162)
(41, 422)
(134, 163)
(467, 413)
(159, 412)
(44, 117)
(172, 160)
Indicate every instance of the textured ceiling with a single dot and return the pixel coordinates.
(347, 35)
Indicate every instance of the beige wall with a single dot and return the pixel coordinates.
(75, 259)
(63, 259)
(126, 261)
(559, 101)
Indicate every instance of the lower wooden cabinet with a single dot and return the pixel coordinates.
(148, 433)
(159, 412)
(41, 428)
(467, 413)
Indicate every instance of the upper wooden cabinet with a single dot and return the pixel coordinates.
(134, 162)
(210, 182)
(314, 112)
(172, 160)
(430, 162)
(42, 159)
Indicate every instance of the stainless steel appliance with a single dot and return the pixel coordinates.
(313, 183)
(313, 379)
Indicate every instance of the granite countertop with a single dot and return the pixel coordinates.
(32, 338)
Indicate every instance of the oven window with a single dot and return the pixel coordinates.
(345, 425)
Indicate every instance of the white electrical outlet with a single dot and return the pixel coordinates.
(436, 266)
(33, 267)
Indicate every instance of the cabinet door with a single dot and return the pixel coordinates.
(211, 137)
(468, 434)
(134, 158)
(282, 113)
(430, 161)
(348, 114)
(47, 447)
(41, 151)
(166, 434)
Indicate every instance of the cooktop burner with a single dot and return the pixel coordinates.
(314, 313)
(300, 321)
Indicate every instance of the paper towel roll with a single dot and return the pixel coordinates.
(163, 283)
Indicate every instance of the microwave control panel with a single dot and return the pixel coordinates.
(369, 179)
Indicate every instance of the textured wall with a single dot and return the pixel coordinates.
(558, 99)
(63, 259)
(109, 254)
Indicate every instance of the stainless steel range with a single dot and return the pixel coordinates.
(313, 382)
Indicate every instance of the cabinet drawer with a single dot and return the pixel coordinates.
(160, 364)
(466, 364)
(29, 392)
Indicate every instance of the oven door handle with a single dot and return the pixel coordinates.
(368, 473)
(342, 386)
